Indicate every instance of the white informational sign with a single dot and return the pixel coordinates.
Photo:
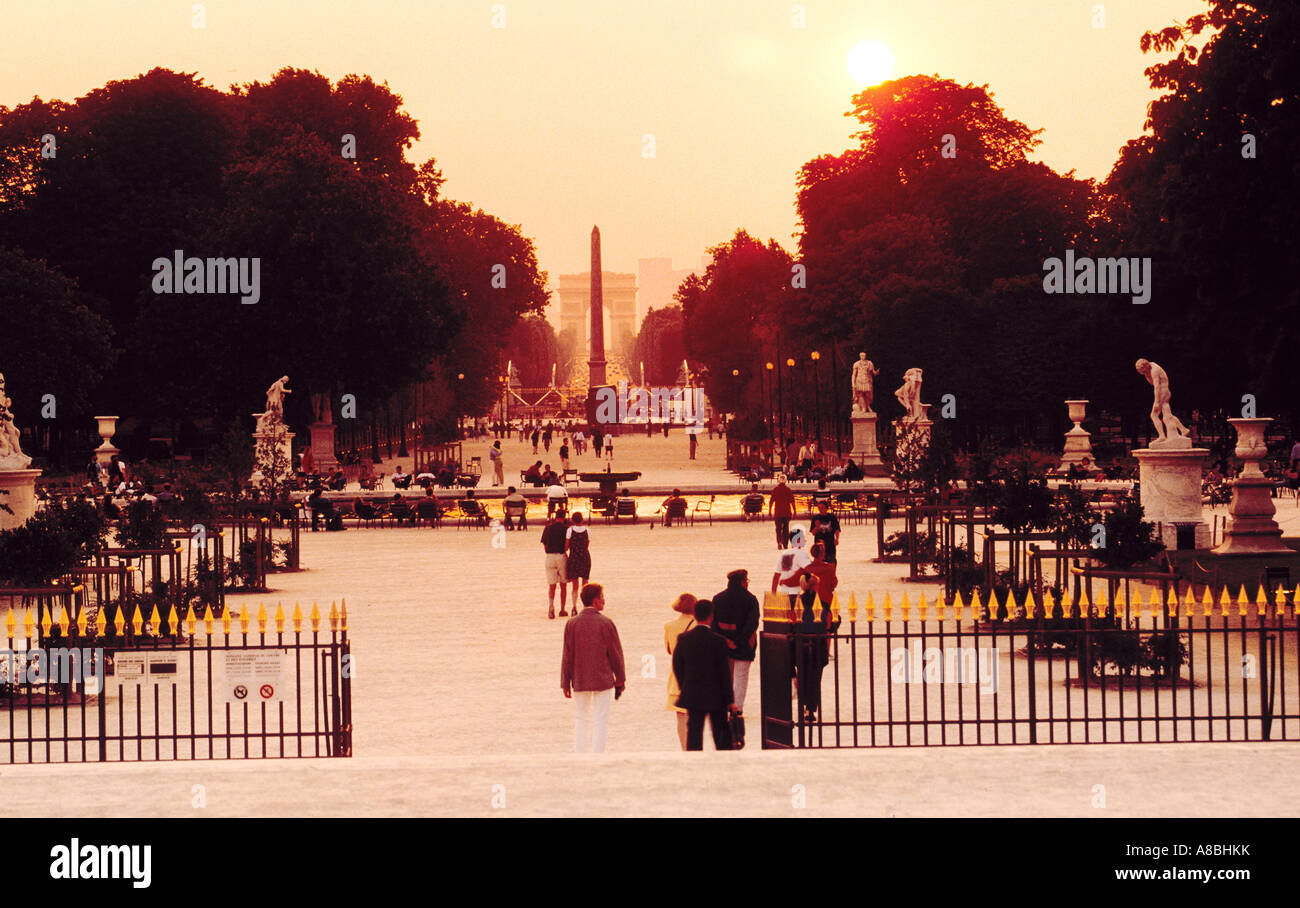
(146, 668)
(251, 676)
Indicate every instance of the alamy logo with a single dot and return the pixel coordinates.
(179, 274)
(641, 404)
(950, 665)
(75, 861)
(56, 665)
(1104, 275)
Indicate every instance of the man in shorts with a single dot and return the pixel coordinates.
(553, 543)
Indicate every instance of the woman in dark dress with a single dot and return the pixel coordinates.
(577, 549)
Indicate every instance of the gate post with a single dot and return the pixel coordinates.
(776, 671)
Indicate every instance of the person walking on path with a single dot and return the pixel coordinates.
(553, 538)
(694, 442)
(598, 439)
(577, 553)
(780, 504)
(609, 448)
(790, 565)
(735, 617)
(703, 672)
(536, 437)
(592, 673)
(564, 455)
(824, 571)
(825, 529)
(684, 605)
(498, 467)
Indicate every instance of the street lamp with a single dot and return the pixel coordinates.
(789, 362)
(767, 400)
(817, 396)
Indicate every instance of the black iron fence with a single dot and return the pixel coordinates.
(927, 673)
(76, 692)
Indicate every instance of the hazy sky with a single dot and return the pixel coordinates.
(542, 122)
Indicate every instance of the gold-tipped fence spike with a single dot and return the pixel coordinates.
(119, 622)
(190, 622)
(887, 607)
(152, 618)
(1224, 601)
(343, 616)
(46, 621)
(853, 608)
(10, 623)
(869, 608)
(28, 623)
(939, 605)
(334, 617)
(315, 617)
(81, 623)
(905, 607)
(1242, 601)
(922, 606)
(957, 605)
(1207, 603)
(976, 605)
(1031, 605)
(173, 620)
(209, 620)
(296, 618)
(137, 622)
(225, 621)
(101, 622)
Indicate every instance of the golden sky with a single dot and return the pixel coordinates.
(542, 122)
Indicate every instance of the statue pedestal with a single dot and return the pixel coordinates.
(1170, 477)
(322, 446)
(262, 439)
(865, 453)
(1078, 442)
(1252, 528)
(21, 497)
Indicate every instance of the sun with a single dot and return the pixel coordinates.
(870, 63)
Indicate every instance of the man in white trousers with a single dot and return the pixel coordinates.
(591, 672)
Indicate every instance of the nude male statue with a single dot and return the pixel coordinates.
(864, 370)
(275, 396)
(909, 394)
(1162, 417)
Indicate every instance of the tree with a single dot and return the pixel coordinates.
(732, 318)
(1208, 192)
(926, 242)
(533, 349)
(660, 346)
(56, 349)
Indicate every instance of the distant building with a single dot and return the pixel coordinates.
(619, 297)
(658, 282)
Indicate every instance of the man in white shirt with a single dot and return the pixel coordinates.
(556, 497)
(790, 563)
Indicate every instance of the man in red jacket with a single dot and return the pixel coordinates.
(781, 506)
(591, 670)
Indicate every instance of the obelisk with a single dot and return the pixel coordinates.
(596, 363)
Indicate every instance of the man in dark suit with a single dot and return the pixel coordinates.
(702, 667)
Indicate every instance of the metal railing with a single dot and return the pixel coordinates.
(926, 673)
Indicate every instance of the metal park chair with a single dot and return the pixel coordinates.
(705, 508)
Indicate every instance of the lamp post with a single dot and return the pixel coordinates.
(771, 426)
(789, 363)
(817, 397)
(460, 427)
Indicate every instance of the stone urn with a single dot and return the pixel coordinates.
(1251, 448)
(107, 425)
(1078, 443)
(1252, 528)
(1078, 409)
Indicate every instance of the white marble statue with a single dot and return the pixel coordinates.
(864, 370)
(274, 413)
(909, 395)
(1162, 417)
(11, 452)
